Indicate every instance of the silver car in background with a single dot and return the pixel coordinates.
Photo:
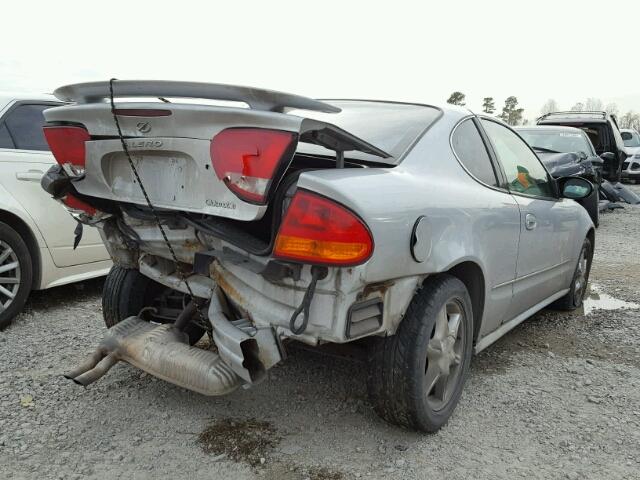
(423, 233)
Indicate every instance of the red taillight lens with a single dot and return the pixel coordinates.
(74, 203)
(247, 159)
(67, 145)
(317, 230)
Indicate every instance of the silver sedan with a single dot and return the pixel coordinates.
(426, 233)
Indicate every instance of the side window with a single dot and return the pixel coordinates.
(470, 149)
(5, 138)
(524, 172)
(24, 124)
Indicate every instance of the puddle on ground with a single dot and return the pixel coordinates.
(596, 299)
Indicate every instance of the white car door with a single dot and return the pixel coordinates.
(24, 158)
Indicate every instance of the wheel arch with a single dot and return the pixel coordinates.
(471, 274)
(29, 238)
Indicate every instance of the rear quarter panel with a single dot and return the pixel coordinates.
(467, 221)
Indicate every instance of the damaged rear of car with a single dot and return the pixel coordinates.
(404, 227)
(243, 196)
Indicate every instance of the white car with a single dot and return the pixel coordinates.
(36, 232)
(631, 166)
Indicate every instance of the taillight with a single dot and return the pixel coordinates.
(67, 145)
(142, 112)
(248, 159)
(76, 205)
(317, 230)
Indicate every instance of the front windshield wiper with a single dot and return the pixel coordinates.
(546, 150)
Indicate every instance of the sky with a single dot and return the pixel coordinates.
(418, 51)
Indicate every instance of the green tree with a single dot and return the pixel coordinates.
(511, 114)
(457, 98)
(488, 105)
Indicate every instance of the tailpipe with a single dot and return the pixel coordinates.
(162, 351)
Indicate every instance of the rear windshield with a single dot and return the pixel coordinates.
(392, 127)
(631, 139)
(560, 141)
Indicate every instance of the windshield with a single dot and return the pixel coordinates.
(392, 127)
(557, 141)
(631, 139)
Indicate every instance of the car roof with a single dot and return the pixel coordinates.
(574, 117)
(8, 97)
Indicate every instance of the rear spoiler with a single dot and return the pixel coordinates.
(313, 131)
(256, 98)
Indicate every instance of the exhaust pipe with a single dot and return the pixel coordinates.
(162, 351)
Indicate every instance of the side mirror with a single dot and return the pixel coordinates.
(575, 187)
(608, 156)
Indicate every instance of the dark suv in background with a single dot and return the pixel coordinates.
(603, 132)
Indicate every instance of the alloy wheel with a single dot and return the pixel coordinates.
(445, 353)
(581, 277)
(9, 275)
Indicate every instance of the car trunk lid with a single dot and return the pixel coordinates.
(170, 144)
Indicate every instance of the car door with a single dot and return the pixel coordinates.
(24, 158)
(495, 224)
(544, 249)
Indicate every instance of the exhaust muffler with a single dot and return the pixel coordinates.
(162, 351)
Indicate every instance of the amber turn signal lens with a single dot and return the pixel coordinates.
(317, 230)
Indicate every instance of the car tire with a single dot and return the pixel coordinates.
(579, 282)
(423, 349)
(13, 250)
(126, 292)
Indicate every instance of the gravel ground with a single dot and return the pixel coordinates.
(558, 397)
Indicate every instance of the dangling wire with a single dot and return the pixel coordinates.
(316, 273)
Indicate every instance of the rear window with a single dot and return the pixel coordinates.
(560, 141)
(392, 127)
(5, 138)
(24, 126)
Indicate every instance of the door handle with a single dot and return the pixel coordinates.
(30, 175)
(530, 221)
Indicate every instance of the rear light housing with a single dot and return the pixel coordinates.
(319, 231)
(250, 160)
(75, 205)
(67, 146)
